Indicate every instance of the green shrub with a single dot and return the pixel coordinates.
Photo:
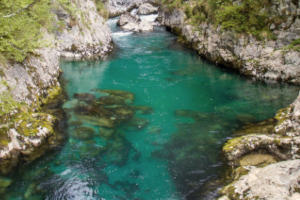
(20, 26)
(102, 9)
(248, 16)
(295, 45)
(20, 22)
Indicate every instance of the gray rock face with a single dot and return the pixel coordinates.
(38, 75)
(118, 7)
(129, 22)
(283, 142)
(279, 181)
(263, 60)
(147, 9)
(290, 126)
(87, 38)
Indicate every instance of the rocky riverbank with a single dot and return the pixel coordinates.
(267, 60)
(265, 155)
(253, 153)
(80, 33)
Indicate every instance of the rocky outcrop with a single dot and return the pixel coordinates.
(289, 120)
(147, 9)
(85, 36)
(118, 7)
(279, 181)
(129, 22)
(26, 86)
(264, 60)
(283, 140)
(275, 140)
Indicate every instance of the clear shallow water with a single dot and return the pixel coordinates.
(173, 151)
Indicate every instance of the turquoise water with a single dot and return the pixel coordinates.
(168, 152)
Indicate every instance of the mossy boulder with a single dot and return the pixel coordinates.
(143, 109)
(87, 97)
(137, 123)
(257, 159)
(106, 132)
(83, 133)
(128, 96)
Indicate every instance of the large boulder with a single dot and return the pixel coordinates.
(274, 182)
(147, 9)
(127, 18)
(130, 22)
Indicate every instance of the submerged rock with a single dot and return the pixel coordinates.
(106, 132)
(154, 130)
(87, 97)
(143, 109)
(137, 123)
(84, 133)
(106, 111)
(264, 127)
(4, 183)
(128, 96)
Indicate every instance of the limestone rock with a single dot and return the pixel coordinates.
(264, 60)
(118, 7)
(282, 141)
(279, 181)
(289, 124)
(82, 38)
(129, 22)
(147, 9)
(35, 78)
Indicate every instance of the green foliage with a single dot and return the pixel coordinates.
(173, 3)
(20, 22)
(295, 45)
(8, 105)
(102, 9)
(24, 119)
(247, 16)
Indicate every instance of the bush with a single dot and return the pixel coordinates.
(246, 16)
(101, 9)
(20, 22)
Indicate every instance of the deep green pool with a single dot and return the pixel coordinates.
(170, 153)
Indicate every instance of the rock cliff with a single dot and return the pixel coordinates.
(31, 84)
(118, 7)
(262, 59)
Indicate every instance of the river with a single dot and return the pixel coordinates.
(169, 146)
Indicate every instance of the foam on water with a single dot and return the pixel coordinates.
(149, 18)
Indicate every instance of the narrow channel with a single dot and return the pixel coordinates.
(175, 113)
